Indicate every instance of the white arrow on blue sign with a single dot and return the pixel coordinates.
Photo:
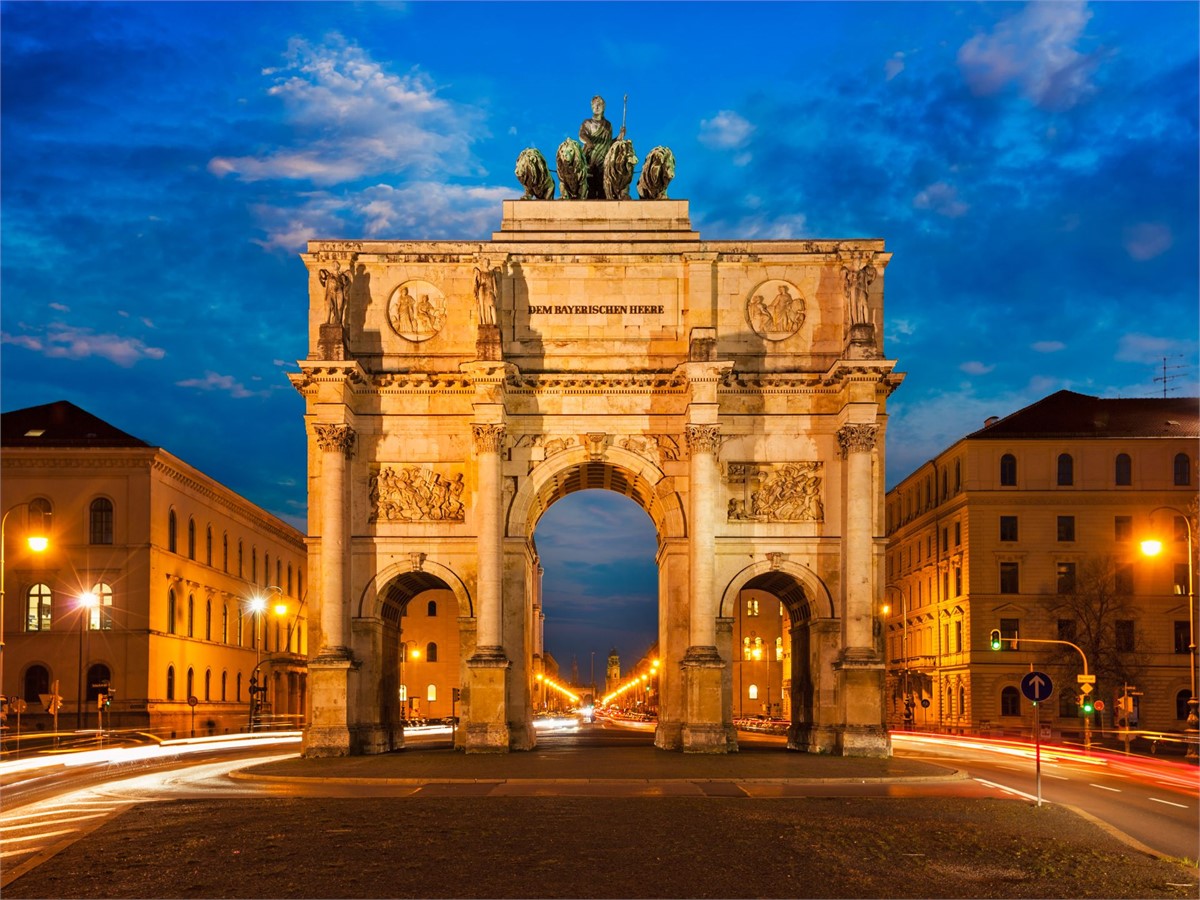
(1037, 686)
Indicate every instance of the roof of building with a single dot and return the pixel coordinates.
(1066, 414)
(61, 424)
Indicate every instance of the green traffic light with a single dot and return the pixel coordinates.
(995, 639)
(1087, 706)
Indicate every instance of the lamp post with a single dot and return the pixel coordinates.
(38, 541)
(87, 602)
(258, 605)
(909, 704)
(1153, 547)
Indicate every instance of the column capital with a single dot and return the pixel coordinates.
(703, 438)
(487, 438)
(857, 438)
(334, 438)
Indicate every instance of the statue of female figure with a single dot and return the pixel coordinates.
(485, 295)
(597, 136)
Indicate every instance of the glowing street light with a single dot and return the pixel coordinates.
(37, 541)
(87, 602)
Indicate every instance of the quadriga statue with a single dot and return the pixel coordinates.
(618, 170)
(534, 175)
(572, 170)
(657, 172)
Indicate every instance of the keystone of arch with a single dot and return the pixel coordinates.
(815, 589)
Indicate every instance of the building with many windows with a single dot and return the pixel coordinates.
(147, 589)
(1032, 527)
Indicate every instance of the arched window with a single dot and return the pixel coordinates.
(99, 677)
(37, 682)
(224, 623)
(1183, 470)
(1066, 470)
(945, 484)
(170, 682)
(238, 698)
(266, 568)
(962, 700)
(172, 546)
(1010, 702)
(191, 622)
(225, 553)
(1181, 704)
(289, 581)
(957, 476)
(224, 684)
(1008, 470)
(430, 692)
(278, 570)
(191, 683)
(299, 583)
(191, 538)
(208, 545)
(254, 564)
(100, 617)
(100, 518)
(949, 701)
(171, 611)
(431, 609)
(38, 608)
(746, 648)
(240, 575)
(752, 693)
(40, 513)
(1124, 469)
(208, 684)
(778, 649)
(208, 619)
(431, 652)
(752, 607)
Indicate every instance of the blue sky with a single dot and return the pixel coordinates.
(1032, 167)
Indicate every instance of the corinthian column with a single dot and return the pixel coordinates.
(337, 442)
(488, 441)
(857, 443)
(704, 481)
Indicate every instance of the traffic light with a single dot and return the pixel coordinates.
(1085, 704)
(456, 694)
(108, 700)
(101, 701)
(995, 639)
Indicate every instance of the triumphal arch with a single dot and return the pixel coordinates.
(736, 390)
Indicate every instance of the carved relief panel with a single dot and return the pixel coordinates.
(775, 310)
(416, 310)
(417, 494)
(776, 492)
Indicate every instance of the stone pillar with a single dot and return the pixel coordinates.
(860, 669)
(488, 729)
(330, 725)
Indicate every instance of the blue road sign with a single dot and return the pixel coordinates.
(1037, 686)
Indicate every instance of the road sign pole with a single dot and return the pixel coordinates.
(1037, 744)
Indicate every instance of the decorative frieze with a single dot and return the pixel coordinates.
(658, 448)
(703, 438)
(416, 494)
(856, 438)
(488, 438)
(776, 492)
(335, 439)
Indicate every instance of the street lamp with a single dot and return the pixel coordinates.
(38, 541)
(87, 602)
(909, 703)
(1153, 547)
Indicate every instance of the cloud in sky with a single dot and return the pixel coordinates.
(77, 342)
(1146, 240)
(974, 367)
(1047, 346)
(214, 382)
(725, 131)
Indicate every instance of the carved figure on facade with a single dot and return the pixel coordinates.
(856, 283)
(703, 438)
(335, 438)
(488, 438)
(551, 444)
(856, 438)
(657, 448)
(486, 292)
(619, 164)
(337, 288)
(534, 175)
(775, 310)
(416, 310)
(571, 162)
(416, 494)
(597, 136)
(657, 172)
(780, 492)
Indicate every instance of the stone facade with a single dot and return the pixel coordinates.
(736, 390)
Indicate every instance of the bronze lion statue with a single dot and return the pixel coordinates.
(618, 170)
(572, 170)
(534, 175)
(657, 173)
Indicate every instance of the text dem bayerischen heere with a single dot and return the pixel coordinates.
(584, 310)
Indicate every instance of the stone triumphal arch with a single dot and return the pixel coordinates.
(736, 390)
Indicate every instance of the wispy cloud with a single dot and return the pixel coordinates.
(224, 383)
(725, 131)
(974, 367)
(76, 342)
(1047, 346)
(943, 199)
(1145, 348)
(1146, 240)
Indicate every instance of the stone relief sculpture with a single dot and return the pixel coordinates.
(857, 285)
(785, 492)
(485, 294)
(550, 444)
(596, 134)
(337, 287)
(534, 175)
(619, 163)
(572, 165)
(416, 494)
(416, 310)
(775, 310)
(657, 172)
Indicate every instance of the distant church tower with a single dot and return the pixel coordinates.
(574, 671)
(612, 678)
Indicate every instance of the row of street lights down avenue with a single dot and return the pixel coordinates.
(37, 539)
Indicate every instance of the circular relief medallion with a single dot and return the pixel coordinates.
(416, 310)
(775, 310)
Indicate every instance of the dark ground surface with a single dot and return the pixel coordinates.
(601, 847)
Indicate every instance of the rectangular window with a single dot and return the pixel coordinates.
(1181, 578)
(1010, 630)
(1010, 578)
(1182, 637)
(1123, 528)
(1066, 528)
(1066, 630)
(958, 534)
(1008, 528)
(945, 540)
(1124, 635)
(1123, 579)
(958, 640)
(1065, 573)
(1181, 530)
(958, 586)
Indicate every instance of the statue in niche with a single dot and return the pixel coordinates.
(657, 172)
(534, 175)
(485, 295)
(596, 134)
(857, 284)
(572, 165)
(618, 170)
(337, 286)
